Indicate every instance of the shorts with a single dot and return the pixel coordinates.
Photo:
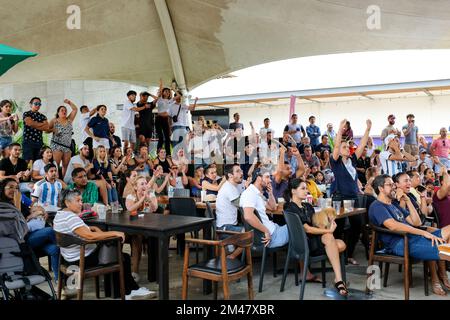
(102, 142)
(129, 135)
(419, 247)
(412, 149)
(280, 236)
(231, 227)
(5, 142)
(31, 150)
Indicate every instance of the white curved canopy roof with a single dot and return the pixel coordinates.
(193, 41)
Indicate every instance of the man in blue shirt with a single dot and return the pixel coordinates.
(384, 212)
(313, 132)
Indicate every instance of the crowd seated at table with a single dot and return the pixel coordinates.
(406, 182)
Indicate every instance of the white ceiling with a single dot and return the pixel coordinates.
(124, 40)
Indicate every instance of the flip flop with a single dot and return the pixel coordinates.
(314, 279)
(352, 261)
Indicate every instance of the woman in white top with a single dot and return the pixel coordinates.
(162, 119)
(38, 166)
(143, 200)
(67, 221)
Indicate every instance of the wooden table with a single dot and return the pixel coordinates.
(160, 228)
(198, 204)
(342, 214)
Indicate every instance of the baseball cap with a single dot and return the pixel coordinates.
(82, 146)
(388, 139)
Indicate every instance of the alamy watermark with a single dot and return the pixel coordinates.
(73, 22)
(373, 21)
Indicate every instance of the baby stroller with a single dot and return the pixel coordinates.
(20, 272)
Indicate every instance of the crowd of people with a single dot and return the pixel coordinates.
(405, 183)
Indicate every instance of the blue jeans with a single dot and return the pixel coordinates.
(112, 195)
(279, 237)
(5, 142)
(419, 247)
(45, 240)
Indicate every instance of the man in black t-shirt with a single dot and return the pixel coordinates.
(146, 122)
(34, 124)
(16, 168)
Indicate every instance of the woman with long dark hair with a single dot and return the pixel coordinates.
(62, 129)
(320, 241)
(46, 157)
(345, 185)
(162, 119)
(8, 125)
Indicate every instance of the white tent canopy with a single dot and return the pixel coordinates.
(193, 41)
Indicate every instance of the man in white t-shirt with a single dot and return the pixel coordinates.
(295, 129)
(392, 158)
(78, 161)
(226, 206)
(85, 116)
(199, 144)
(180, 112)
(253, 199)
(128, 126)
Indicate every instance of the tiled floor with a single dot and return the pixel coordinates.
(271, 291)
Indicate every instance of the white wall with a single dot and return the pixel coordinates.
(431, 114)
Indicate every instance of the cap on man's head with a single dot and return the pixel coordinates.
(83, 146)
(423, 151)
(388, 139)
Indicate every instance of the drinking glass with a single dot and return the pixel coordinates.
(101, 212)
(337, 206)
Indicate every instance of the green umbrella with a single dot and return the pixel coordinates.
(9, 57)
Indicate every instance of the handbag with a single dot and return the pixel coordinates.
(107, 253)
(175, 118)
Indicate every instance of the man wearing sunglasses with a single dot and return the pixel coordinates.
(440, 148)
(34, 124)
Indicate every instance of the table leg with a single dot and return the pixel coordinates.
(163, 268)
(207, 254)
(152, 255)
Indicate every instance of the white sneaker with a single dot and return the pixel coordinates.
(136, 276)
(141, 294)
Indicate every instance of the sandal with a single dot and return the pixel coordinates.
(341, 288)
(437, 289)
(445, 281)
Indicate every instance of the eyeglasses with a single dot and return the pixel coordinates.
(37, 104)
(389, 184)
(443, 143)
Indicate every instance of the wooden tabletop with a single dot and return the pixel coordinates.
(341, 215)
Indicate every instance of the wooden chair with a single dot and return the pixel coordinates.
(220, 268)
(65, 240)
(377, 253)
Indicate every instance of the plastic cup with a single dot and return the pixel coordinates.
(348, 206)
(337, 206)
(101, 211)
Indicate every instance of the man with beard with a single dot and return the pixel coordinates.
(253, 199)
(226, 206)
(390, 129)
(393, 210)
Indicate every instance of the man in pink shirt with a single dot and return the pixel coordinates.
(440, 149)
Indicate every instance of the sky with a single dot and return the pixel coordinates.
(329, 71)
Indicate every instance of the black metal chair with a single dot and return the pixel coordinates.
(259, 247)
(298, 250)
(184, 207)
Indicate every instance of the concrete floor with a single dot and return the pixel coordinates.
(271, 290)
